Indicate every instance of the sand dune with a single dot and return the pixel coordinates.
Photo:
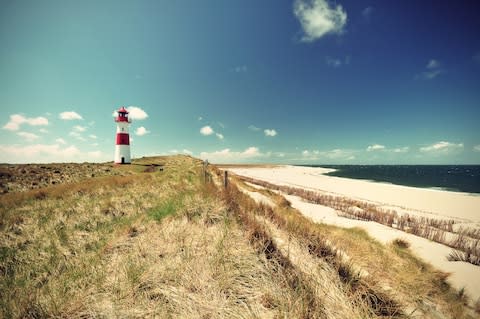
(434, 203)
(444, 204)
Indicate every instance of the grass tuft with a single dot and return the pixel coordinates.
(167, 208)
(401, 243)
(466, 256)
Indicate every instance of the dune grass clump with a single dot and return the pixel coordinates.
(401, 243)
(467, 256)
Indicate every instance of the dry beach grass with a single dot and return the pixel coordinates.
(465, 241)
(157, 240)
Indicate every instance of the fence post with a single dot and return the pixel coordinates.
(225, 179)
(205, 163)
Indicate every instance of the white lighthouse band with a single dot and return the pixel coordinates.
(122, 141)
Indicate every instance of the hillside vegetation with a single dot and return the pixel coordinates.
(162, 239)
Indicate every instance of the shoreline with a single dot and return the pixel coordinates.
(445, 204)
(475, 192)
(405, 200)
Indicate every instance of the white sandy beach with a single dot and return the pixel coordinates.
(462, 207)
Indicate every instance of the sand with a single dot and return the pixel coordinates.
(259, 198)
(433, 203)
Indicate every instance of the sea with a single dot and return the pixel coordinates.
(458, 178)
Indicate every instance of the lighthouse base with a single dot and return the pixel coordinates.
(122, 154)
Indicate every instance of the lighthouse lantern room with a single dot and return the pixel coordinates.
(122, 144)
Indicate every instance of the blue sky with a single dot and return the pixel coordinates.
(344, 82)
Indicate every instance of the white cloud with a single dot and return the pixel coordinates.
(337, 62)
(16, 120)
(70, 115)
(42, 130)
(251, 151)
(432, 74)
(136, 113)
(476, 148)
(141, 131)
(270, 132)
(220, 136)
(28, 136)
(49, 153)
(92, 136)
(60, 141)
(37, 153)
(432, 70)
(226, 155)
(254, 128)
(318, 18)
(95, 154)
(78, 128)
(375, 147)
(206, 130)
(200, 118)
(240, 69)
(77, 136)
(184, 151)
(404, 149)
(442, 147)
(433, 64)
(326, 156)
(333, 62)
(335, 154)
(338, 154)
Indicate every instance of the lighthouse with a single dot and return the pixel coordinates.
(122, 143)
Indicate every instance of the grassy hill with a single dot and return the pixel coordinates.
(160, 239)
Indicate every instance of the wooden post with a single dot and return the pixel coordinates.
(205, 172)
(225, 179)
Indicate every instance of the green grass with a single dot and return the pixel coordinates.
(169, 207)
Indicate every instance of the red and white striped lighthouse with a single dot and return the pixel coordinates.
(122, 144)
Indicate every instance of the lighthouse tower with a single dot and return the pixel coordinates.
(122, 144)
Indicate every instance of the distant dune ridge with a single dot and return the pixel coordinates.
(24, 177)
(165, 238)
